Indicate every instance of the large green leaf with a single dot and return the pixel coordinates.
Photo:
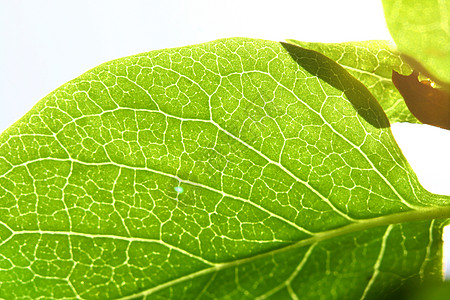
(293, 185)
(421, 30)
(372, 63)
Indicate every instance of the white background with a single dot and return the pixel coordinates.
(43, 44)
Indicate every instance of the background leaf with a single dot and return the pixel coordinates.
(421, 30)
(292, 183)
(372, 63)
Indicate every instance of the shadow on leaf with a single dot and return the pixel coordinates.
(329, 71)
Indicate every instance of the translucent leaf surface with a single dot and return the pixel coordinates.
(371, 62)
(421, 30)
(233, 169)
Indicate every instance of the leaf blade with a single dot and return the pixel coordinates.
(421, 30)
(267, 165)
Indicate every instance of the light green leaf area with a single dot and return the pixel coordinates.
(421, 30)
(371, 62)
(234, 169)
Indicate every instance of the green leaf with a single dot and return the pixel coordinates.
(235, 169)
(421, 30)
(371, 62)
(429, 292)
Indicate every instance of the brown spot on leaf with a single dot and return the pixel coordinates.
(429, 105)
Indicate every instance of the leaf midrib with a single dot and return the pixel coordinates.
(438, 212)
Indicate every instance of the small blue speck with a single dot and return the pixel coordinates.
(179, 189)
